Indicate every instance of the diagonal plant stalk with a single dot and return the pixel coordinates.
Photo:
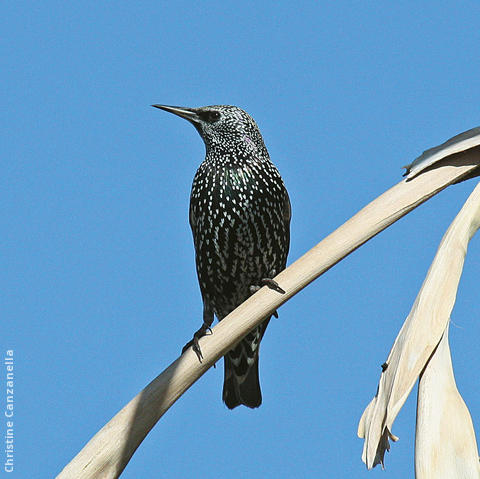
(445, 441)
(108, 452)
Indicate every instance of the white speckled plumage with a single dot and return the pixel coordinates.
(240, 217)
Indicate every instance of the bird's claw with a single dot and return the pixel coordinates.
(272, 284)
(196, 348)
(194, 342)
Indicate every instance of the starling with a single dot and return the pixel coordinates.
(240, 219)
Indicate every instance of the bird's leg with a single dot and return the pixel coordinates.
(202, 331)
(272, 284)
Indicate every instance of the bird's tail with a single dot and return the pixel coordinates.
(241, 384)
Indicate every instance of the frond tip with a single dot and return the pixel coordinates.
(416, 349)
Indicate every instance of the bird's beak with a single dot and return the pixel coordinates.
(188, 113)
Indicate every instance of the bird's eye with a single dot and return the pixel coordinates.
(210, 116)
(213, 116)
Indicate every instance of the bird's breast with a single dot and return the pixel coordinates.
(240, 236)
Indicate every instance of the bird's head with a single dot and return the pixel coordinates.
(222, 126)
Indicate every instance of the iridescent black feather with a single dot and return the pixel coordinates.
(240, 218)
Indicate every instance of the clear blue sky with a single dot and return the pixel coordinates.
(98, 288)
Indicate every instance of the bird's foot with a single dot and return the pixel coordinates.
(203, 331)
(271, 283)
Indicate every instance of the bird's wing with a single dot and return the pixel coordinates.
(287, 212)
(191, 218)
